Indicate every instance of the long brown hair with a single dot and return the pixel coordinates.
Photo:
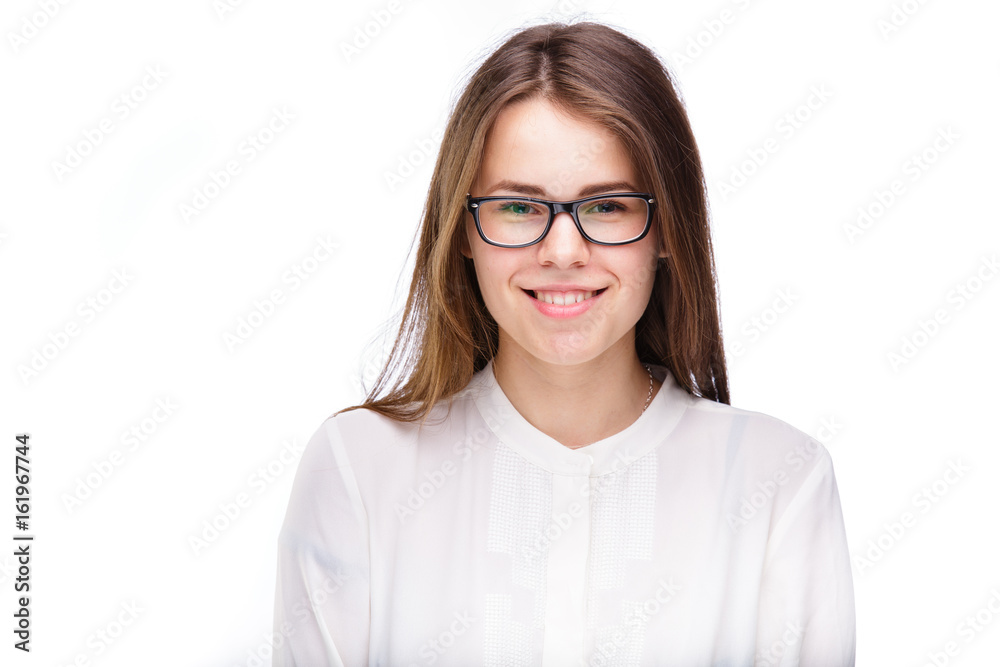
(601, 75)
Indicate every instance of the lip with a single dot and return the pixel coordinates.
(563, 287)
(562, 312)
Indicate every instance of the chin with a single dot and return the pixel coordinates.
(566, 349)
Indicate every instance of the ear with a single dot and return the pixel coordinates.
(661, 243)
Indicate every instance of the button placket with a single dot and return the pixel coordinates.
(568, 537)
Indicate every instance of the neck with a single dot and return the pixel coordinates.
(576, 404)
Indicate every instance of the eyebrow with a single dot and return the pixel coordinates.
(535, 191)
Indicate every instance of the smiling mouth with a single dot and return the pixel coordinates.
(562, 298)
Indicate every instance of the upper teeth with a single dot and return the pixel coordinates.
(563, 298)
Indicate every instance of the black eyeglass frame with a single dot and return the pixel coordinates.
(555, 207)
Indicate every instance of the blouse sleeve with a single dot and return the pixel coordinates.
(806, 614)
(321, 606)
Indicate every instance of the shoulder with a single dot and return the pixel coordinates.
(755, 444)
(714, 420)
(364, 437)
(755, 423)
(349, 436)
(768, 473)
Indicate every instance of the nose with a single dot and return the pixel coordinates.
(563, 245)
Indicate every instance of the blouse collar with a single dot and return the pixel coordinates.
(598, 458)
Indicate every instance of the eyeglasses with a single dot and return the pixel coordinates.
(517, 222)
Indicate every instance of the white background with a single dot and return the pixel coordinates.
(893, 428)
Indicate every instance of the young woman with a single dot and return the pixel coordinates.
(555, 476)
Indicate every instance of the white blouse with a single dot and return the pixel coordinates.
(702, 534)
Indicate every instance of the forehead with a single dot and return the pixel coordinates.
(536, 143)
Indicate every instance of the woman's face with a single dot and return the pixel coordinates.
(535, 149)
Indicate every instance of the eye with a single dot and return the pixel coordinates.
(604, 207)
(515, 208)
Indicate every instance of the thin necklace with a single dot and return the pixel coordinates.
(650, 396)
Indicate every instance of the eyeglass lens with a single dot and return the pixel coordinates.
(516, 221)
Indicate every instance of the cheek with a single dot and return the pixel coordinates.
(494, 277)
(638, 277)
